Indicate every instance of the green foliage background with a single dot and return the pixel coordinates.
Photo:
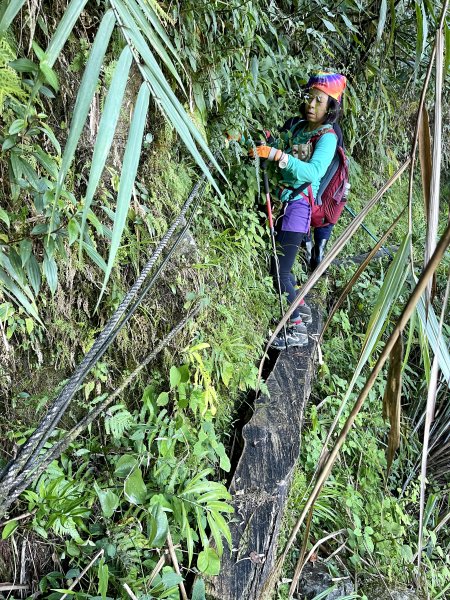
(235, 67)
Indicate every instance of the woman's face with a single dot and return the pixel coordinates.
(316, 104)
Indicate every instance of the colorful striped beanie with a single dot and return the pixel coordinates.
(332, 84)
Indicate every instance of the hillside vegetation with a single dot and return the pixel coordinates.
(111, 114)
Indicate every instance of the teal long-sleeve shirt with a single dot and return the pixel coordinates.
(297, 172)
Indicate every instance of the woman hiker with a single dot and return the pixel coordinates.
(301, 164)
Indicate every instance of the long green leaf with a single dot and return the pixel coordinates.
(447, 48)
(164, 95)
(431, 329)
(129, 170)
(63, 30)
(419, 40)
(107, 127)
(157, 26)
(14, 292)
(390, 290)
(422, 33)
(85, 95)
(154, 40)
(11, 10)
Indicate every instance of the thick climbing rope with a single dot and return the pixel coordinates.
(19, 470)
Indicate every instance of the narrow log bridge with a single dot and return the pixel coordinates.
(263, 475)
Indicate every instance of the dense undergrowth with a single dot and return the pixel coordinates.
(155, 463)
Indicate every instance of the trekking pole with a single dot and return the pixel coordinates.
(367, 230)
(274, 247)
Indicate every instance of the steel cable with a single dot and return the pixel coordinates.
(9, 475)
(55, 451)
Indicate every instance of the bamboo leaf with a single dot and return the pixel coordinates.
(129, 170)
(93, 254)
(12, 8)
(153, 38)
(164, 95)
(16, 293)
(63, 30)
(392, 400)
(107, 127)
(382, 19)
(430, 326)
(85, 95)
(157, 26)
(51, 272)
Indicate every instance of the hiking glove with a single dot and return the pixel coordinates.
(267, 152)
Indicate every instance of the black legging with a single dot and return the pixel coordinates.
(288, 243)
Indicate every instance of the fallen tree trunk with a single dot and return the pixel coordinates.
(263, 475)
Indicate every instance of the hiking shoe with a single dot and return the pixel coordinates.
(294, 339)
(305, 313)
(298, 326)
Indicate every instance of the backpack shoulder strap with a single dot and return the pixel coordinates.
(315, 138)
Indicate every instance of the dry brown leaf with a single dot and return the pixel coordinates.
(425, 156)
(392, 400)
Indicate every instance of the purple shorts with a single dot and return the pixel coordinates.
(297, 216)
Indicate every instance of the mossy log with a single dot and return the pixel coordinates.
(263, 475)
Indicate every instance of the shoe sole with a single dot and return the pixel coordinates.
(299, 344)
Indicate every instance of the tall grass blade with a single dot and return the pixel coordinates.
(431, 403)
(392, 400)
(63, 30)
(106, 129)
(85, 95)
(333, 253)
(422, 32)
(330, 460)
(11, 10)
(129, 170)
(379, 319)
(362, 267)
(425, 157)
(432, 217)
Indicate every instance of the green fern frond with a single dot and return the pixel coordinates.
(118, 421)
(10, 82)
